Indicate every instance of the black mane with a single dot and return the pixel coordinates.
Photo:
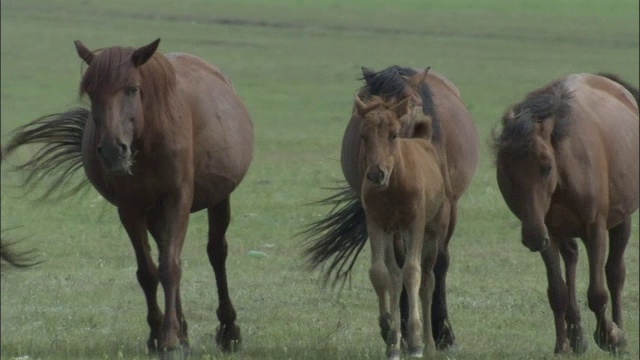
(390, 83)
(518, 121)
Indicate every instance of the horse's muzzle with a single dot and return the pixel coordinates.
(376, 176)
(116, 158)
(535, 237)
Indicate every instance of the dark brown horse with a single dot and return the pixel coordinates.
(567, 167)
(166, 135)
(337, 239)
(403, 196)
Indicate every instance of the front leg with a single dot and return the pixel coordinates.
(607, 335)
(381, 280)
(134, 223)
(558, 295)
(169, 223)
(569, 250)
(412, 276)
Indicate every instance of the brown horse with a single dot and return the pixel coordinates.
(567, 166)
(338, 238)
(403, 193)
(166, 135)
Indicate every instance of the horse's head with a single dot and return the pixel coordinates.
(527, 172)
(380, 129)
(114, 85)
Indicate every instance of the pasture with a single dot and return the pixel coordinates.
(295, 64)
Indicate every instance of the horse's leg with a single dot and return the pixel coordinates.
(170, 226)
(184, 332)
(395, 289)
(607, 335)
(134, 223)
(615, 269)
(228, 334)
(380, 279)
(569, 250)
(441, 327)
(558, 294)
(398, 251)
(412, 276)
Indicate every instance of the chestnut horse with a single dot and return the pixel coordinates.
(403, 193)
(166, 135)
(567, 166)
(337, 239)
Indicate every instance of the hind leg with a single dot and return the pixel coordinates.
(228, 334)
(569, 250)
(134, 223)
(615, 269)
(440, 324)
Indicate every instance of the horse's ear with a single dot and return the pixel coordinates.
(142, 54)
(361, 107)
(367, 74)
(402, 107)
(84, 53)
(418, 78)
(424, 74)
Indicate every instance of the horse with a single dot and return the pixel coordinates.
(567, 167)
(403, 193)
(166, 135)
(335, 241)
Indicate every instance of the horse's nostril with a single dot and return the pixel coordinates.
(99, 149)
(123, 148)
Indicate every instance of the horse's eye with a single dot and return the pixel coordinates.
(131, 90)
(545, 170)
(393, 136)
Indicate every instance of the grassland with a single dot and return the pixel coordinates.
(296, 64)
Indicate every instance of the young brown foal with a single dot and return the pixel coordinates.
(403, 193)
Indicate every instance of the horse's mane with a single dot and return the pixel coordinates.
(391, 84)
(109, 72)
(518, 121)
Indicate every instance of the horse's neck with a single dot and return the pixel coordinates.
(402, 173)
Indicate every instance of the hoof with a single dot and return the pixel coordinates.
(179, 353)
(393, 355)
(152, 346)
(613, 342)
(415, 354)
(562, 349)
(578, 342)
(444, 338)
(228, 338)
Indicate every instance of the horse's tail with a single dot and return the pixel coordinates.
(338, 238)
(632, 89)
(14, 258)
(60, 154)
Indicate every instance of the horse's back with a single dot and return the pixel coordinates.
(458, 130)
(605, 118)
(222, 129)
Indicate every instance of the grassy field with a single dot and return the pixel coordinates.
(295, 64)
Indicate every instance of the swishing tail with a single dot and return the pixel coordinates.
(338, 238)
(8, 255)
(60, 154)
(632, 89)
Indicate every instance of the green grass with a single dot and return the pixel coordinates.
(297, 76)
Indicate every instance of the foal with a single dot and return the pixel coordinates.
(403, 193)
